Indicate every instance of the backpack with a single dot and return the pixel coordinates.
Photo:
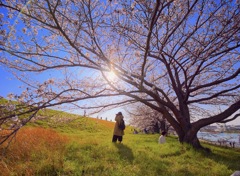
(122, 125)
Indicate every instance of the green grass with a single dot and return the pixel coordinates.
(88, 150)
(141, 155)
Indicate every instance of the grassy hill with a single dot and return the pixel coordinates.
(67, 144)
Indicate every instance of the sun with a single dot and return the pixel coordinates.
(111, 76)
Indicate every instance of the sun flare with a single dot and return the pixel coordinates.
(111, 76)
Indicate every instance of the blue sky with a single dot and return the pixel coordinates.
(8, 84)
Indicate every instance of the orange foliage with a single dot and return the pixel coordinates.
(29, 139)
(28, 142)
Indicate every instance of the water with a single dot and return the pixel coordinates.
(216, 137)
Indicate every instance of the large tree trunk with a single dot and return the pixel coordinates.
(163, 125)
(190, 137)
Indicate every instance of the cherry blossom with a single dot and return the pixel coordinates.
(178, 58)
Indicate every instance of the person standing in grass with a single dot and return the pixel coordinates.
(162, 138)
(118, 128)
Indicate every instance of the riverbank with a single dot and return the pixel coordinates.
(231, 140)
(222, 143)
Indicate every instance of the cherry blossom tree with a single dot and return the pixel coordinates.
(178, 57)
(144, 117)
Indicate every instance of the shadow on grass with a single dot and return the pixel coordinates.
(175, 154)
(125, 152)
(230, 160)
(223, 155)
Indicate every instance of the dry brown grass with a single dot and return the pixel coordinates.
(29, 146)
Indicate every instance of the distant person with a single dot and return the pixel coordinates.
(162, 138)
(118, 128)
(135, 131)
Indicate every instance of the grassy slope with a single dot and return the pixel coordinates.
(73, 145)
